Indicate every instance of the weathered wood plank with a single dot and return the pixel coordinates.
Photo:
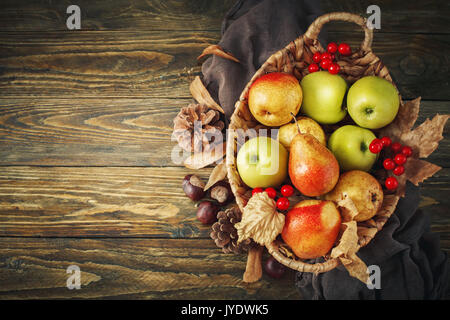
(88, 132)
(112, 131)
(127, 202)
(151, 15)
(32, 268)
(397, 16)
(89, 201)
(147, 64)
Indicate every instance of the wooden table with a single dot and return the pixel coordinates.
(85, 125)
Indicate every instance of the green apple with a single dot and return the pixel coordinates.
(372, 102)
(323, 94)
(262, 162)
(350, 146)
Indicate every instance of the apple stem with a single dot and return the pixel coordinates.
(295, 119)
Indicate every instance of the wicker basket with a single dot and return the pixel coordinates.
(294, 59)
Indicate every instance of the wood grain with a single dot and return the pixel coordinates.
(130, 269)
(112, 131)
(146, 64)
(153, 15)
(89, 132)
(127, 202)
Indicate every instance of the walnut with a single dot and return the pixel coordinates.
(197, 127)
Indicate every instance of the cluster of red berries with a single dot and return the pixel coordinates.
(395, 163)
(282, 202)
(325, 61)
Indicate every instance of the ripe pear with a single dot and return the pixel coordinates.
(313, 169)
(273, 97)
(311, 228)
(305, 125)
(364, 190)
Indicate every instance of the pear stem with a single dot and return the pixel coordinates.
(295, 119)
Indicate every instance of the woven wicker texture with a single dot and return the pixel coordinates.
(294, 59)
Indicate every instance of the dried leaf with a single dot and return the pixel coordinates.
(417, 170)
(404, 121)
(260, 220)
(347, 208)
(200, 160)
(219, 173)
(348, 243)
(218, 51)
(201, 94)
(346, 250)
(356, 268)
(425, 138)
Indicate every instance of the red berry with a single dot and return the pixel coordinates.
(317, 57)
(332, 47)
(391, 183)
(271, 192)
(313, 67)
(325, 55)
(407, 151)
(325, 64)
(388, 164)
(386, 141)
(287, 190)
(396, 147)
(257, 190)
(273, 268)
(334, 68)
(333, 56)
(283, 203)
(375, 146)
(398, 170)
(344, 49)
(400, 158)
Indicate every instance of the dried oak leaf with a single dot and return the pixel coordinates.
(260, 220)
(424, 139)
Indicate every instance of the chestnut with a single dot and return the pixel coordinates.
(273, 268)
(207, 212)
(193, 187)
(221, 192)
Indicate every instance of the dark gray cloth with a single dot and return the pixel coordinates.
(252, 31)
(411, 262)
(409, 256)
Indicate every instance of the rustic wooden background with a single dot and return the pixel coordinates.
(85, 125)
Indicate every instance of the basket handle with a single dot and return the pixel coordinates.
(315, 27)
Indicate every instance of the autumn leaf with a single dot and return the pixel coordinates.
(346, 250)
(423, 140)
(218, 51)
(260, 220)
(219, 173)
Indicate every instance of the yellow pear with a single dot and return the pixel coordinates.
(305, 125)
(364, 190)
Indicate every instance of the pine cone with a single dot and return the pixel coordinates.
(225, 234)
(200, 136)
